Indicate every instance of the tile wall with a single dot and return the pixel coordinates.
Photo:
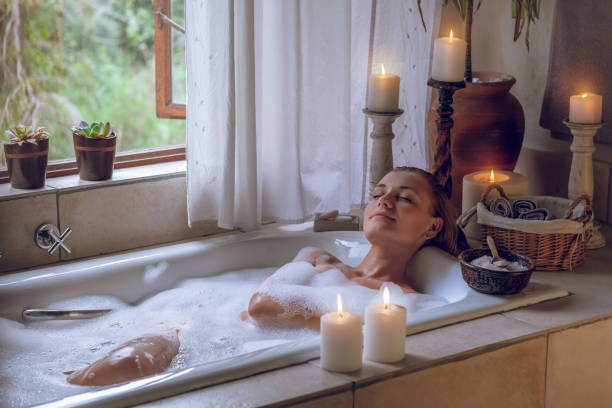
(124, 214)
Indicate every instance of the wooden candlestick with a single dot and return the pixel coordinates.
(581, 172)
(443, 163)
(381, 158)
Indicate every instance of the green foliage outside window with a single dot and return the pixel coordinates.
(69, 60)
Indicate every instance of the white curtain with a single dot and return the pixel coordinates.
(275, 90)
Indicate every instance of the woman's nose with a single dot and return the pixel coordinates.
(386, 200)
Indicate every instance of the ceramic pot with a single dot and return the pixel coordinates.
(27, 163)
(488, 129)
(95, 157)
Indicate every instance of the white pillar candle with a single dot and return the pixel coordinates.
(385, 331)
(474, 184)
(448, 59)
(341, 340)
(383, 92)
(585, 108)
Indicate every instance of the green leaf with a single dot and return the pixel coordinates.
(106, 129)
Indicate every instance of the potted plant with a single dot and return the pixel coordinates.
(489, 123)
(94, 147)
(26, 154)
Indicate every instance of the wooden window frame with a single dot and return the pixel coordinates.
(165, 108)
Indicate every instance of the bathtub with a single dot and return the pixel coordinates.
(124, 276)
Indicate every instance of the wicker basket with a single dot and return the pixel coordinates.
(550, 251)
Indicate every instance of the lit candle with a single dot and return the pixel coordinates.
(385, 331)
(448, 59)
(474, 184)
(383, 91)
(341, 340)
(585, 108)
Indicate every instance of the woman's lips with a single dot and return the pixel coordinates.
(383, 215)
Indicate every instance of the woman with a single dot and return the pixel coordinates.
(407, 210)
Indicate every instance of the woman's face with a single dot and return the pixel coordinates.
(399, 212)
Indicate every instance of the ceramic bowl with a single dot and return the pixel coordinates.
(494, 282)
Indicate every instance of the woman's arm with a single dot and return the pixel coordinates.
(268, 312)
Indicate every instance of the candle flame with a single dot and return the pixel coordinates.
(340, 314)
(386, 297)
(584, 95)
(382, 67)
(451, 35)
(492, 176)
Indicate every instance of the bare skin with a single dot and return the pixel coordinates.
(139, 357)
(397, 222)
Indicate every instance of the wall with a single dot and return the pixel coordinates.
(546, 161)
(140, 206)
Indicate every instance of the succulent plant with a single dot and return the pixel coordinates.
(97, 130)
(22, 133)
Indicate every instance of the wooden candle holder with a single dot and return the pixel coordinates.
(381, 158)
(443, 163)
(581, 173)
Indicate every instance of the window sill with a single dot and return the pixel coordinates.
(72, 182)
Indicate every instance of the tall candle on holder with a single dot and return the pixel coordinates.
(385, 331)
(448, 63)
(585, 108)
(383, 91)
(341, 340)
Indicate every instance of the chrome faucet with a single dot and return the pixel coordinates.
(48, 237)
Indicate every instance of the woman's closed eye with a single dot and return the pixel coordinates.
(407, 199)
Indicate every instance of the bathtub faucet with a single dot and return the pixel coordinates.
(48, 237)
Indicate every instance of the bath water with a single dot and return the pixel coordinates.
(35, 357)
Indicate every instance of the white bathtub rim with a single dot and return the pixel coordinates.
(160, 253)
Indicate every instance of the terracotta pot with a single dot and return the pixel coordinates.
(27, 163)
(488, 129)
(95, 157)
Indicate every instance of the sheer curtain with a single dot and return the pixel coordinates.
(275, 90)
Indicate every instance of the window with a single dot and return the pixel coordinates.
(95, 61)
(169, 53)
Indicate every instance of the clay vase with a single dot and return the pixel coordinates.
(27, 163)
(488, 129)
(95, 157)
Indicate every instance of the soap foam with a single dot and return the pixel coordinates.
(36, 357)
(302, 290)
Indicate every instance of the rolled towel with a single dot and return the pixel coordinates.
(521, 206)
(539, 214)
(502, 207)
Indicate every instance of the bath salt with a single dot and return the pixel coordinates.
(485, 262)
(36, 357)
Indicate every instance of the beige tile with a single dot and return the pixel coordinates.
(342, 400)
(120, 217)
(579, 371)
(286, 386)
(427, 348)
(512, 376)
(19, 219)
(590, 297)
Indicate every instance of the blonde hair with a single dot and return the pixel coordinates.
(450, 238)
